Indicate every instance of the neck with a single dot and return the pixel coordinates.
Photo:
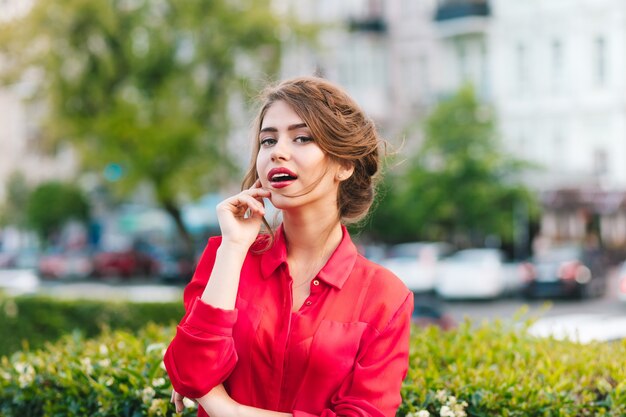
(311, 235)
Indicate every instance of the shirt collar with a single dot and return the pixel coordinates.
(336, 270)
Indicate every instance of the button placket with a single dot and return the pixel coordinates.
(315, 288)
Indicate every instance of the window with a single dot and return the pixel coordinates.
(557, 66)
(600, 162)
(424, 77)
(522, 68)
(461, 56)
(484, 70)
(599, 62)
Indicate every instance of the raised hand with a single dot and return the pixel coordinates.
(240, 216)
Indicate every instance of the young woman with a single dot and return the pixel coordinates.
(295, 322)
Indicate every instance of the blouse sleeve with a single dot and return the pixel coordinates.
(202, 353)
(373, 387)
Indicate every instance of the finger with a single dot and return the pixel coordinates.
(243, 202)
(178, 402)
(172, 397)
(258, 193)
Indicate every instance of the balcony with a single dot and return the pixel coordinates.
(367, 24)
(457, 9)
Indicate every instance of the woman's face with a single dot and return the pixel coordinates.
(292, 166)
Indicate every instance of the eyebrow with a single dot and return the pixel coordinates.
(290, 127)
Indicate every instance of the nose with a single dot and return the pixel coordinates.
(280, 150)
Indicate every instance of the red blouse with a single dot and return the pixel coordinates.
(344, 353)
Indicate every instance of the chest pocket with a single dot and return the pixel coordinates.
(334, 349)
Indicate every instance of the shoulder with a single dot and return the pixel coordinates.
(380, 278)
(384, 294)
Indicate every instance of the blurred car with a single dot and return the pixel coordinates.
(26, 258)
(430, 312)
(477, 274)
(416, 263)
(58, 263)
(570, 271)
(171, 266)
(621, 288)
(124, 263)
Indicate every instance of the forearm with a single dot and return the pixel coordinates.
(217, 403)
(221, 290)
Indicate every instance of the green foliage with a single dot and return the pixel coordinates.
(481, 370)
(13, 210)
(117, 374)
(460, 187)
(500, 370)
(53, 203)
(142, 88)
(32, 321)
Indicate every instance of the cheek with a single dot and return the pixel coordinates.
(260, 168)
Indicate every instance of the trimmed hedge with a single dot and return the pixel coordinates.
(498, 369)
(116, 374)
(29, 322)
(493, 369)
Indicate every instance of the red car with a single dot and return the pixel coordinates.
(123, 263)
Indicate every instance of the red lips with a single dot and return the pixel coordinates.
(281, 177)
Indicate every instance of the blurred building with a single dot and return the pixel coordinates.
(21, 146)
(353, 49)
(555, 72)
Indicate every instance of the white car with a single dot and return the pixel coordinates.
(477, 274)
(416, 263)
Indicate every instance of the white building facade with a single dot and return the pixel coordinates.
(555, 73)
(20, 126)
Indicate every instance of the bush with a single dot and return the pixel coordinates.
(501, 370)
(29, 322)
(116, 374)
(494, 369)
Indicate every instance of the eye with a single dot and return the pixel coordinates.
(303, 139)
(267, 142)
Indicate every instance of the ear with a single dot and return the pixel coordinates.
(344, 171)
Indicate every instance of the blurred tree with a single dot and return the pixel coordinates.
(142, 88)
(53, 203)
(460, 187)
(13, 210)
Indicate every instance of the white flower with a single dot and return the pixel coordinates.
(147, 394)
(156, 407)
(423, 413)
(155, 346)
(103, 350)
(441, 395)
(445, 411)
(162, 365)
(158, 382)
(105, 363)
(87, 367)
(26, 374)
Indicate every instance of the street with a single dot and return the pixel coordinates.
(507, 307)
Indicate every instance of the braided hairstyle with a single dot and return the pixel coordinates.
(340, 128)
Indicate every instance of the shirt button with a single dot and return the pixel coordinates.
(316, 282)
(308, 303)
